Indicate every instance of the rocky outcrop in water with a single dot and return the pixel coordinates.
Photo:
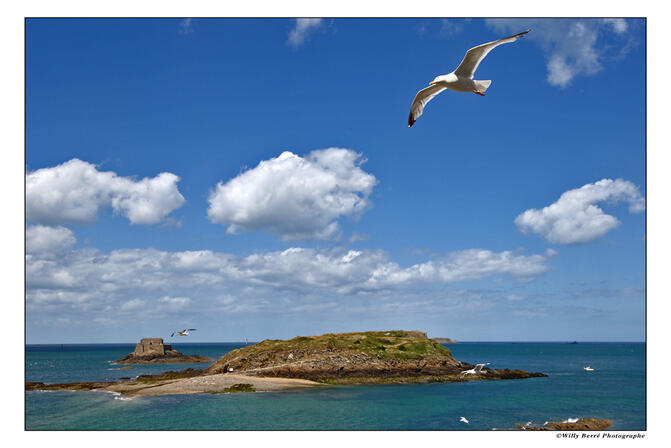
(583, 424)
(154, 351)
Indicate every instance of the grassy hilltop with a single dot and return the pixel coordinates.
(343, 357)
(396, 344)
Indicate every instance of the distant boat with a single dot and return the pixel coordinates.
(589, 369)
(574, 342)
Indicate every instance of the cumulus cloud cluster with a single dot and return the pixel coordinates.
(294, 197)
(73, 192)
(129, 277)
(163, 304)
(573, 47)
(302, 30)
(49, 241)
(575, 218)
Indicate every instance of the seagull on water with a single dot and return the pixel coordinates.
(183, 332)
(460, 80)
(475, 370)
(463, 419)
(589, 369)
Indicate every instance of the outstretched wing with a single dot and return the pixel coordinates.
(172, 335)
(190, 329)
(423, 96)
(476, 54)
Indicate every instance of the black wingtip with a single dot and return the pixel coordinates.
(410, 121)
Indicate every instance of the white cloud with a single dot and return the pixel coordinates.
(186, 26)
(48, 240)
(449, 27)
(356, 236)
(619, 25)
(161, 305)
(133, 305)
(164, 281)
(74, 191)
(302, 30)
(573, 46)
(168, 303)
(295, 197)
(575, 218)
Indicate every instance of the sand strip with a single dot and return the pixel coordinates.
(208, 384)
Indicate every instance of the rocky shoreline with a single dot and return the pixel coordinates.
(170, 357)
(177, 383)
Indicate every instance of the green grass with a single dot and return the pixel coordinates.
(242, 387)
(381, 344)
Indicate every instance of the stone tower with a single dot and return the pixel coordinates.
(151, 346)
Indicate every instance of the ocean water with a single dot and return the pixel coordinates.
(614, 390)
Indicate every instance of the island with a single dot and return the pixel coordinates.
(154, 351)
(445, 340)
(312, 361)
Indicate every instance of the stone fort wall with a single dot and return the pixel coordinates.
(151, 346)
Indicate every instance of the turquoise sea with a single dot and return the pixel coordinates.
(614, 390)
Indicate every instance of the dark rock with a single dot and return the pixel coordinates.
(584, 424)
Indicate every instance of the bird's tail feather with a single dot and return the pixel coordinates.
(481, 86)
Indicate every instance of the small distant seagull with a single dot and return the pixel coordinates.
(589, 369)
(463, 419)
(474, 371)
(183, 332)
(460, 80)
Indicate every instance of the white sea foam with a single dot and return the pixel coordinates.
(117, 395)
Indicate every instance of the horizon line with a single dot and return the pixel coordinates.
(256, 342)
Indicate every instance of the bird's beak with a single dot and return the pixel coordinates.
(432, 83)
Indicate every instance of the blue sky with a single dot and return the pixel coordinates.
(257, 178)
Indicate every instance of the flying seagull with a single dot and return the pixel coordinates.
(460, 80)
(474, 371)
(463, 419)
(183, 332)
